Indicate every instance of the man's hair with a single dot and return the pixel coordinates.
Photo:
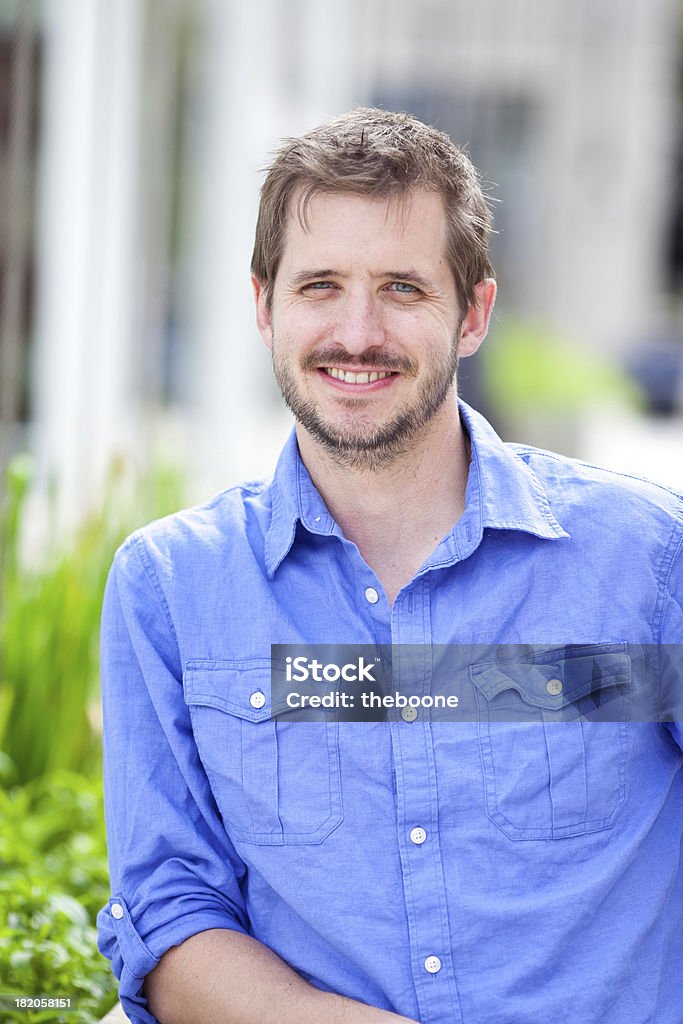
(378, 154)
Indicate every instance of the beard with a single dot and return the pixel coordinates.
(359, 443)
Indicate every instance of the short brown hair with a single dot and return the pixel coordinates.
(376, 153)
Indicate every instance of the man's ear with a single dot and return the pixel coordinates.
(264, 320)
(476, 323)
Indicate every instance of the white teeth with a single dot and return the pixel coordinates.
(349, 377)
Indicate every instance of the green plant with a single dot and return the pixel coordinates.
(53, 880)
(53, 865)
(49, 619)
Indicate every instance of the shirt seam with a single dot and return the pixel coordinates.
(554, 457)
(152, 578)
(658, 618)
(671, 554)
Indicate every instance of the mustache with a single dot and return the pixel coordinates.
(371, 359)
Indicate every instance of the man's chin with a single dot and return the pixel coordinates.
(369, 447)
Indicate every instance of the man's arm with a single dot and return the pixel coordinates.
(174, 871)
(225, 977)
(176, 918)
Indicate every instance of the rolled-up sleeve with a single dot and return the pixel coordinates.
(173, 869)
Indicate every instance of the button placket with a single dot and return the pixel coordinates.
(420, 846)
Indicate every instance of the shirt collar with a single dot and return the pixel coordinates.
(508, 493)
(294, 500)
(503, 493)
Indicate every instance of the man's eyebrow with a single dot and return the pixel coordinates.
(310, 275)
(409, 276)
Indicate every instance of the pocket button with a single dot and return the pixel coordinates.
(257, 699)
(554, 686)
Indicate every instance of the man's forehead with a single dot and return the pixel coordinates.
(396, 206)
(323, 224)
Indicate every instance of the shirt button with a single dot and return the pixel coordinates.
(408, 714)
(554, 686)
(371, 595)
(117, 911)
(432, 964)
(257, 699)
(417, 836)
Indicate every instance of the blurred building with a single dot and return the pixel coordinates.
(134, 136)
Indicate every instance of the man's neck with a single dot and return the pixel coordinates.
(397, 515)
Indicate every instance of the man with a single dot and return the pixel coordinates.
(516, 870)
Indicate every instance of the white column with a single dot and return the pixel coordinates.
(236, 97)
(85, 345)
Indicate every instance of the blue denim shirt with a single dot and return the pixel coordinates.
(443, 871)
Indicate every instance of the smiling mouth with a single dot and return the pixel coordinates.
(353, 377)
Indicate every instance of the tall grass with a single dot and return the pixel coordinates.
(49, 620)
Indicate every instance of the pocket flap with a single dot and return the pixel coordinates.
(552, 678)
(240, 688)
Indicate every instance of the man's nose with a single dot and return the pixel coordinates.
(360, 323)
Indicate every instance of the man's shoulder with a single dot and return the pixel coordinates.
(203, 530)
(572, 485)
(552, 467)
(577, 486)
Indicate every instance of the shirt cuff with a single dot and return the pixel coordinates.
(132, 959)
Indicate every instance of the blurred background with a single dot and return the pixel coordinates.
(132, 378)
(131, 140)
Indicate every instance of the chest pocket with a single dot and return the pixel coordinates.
(553, 740)
(276, 782)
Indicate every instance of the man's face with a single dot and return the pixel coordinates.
(364, 323)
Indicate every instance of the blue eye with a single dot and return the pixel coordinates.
(403, 287)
